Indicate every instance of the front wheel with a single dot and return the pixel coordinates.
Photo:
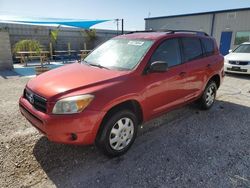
(118, 133)
(208, 97)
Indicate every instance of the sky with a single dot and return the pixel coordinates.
(132, 11)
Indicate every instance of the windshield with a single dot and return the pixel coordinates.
(243, 48)
(121, 54)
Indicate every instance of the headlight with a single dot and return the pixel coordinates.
(71, 105)
(226, 60)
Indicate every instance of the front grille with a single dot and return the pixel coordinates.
(35, 100)
(30, 114)
(238, 62)
(237, 70)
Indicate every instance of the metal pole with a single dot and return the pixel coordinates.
(122, 26)
(117, 26)
(212, 27)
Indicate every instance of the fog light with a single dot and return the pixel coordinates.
(73, 136)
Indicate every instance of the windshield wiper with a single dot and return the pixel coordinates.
(97, 65)
(94, 65)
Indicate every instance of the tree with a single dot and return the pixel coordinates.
(89, 37)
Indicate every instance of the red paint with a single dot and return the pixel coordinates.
(156, 93)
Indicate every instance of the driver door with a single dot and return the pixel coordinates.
(166, 90)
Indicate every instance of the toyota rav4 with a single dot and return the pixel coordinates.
(124, 82)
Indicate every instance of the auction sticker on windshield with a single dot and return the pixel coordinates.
(136, 43)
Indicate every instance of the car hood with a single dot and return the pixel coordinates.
(238, 57)
(72, 78)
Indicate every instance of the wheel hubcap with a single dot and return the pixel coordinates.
(210, 95)
(121, 134)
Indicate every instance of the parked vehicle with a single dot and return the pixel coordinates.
(124, 82)
(238, 60)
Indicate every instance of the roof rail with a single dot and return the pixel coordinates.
(141, 31)
(170, 31)
(188, 31)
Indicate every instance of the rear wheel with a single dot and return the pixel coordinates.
(118, 133)
(208, 97)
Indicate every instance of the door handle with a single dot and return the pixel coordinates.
(182, 74)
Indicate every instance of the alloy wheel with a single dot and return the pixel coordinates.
(210, 95)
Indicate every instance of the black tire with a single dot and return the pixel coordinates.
(104, 138)
(203, 101)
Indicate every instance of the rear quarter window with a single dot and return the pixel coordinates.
(208, 45)
(192, 49)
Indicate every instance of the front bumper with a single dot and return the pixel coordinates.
(60, 128)
(240, 69)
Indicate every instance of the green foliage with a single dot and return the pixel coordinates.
(54, 35)
(27, 45)
(89, 37)
(90, 34)
(4, 29)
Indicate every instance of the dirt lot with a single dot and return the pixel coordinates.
(184, 148)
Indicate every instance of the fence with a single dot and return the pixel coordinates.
(66, 35)
(5, 51)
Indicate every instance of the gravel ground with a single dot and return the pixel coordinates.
(184, 148)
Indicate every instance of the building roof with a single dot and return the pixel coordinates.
(200, 13)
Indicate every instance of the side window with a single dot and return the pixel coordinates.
(168, 51)
(208, 45)
(191, 48)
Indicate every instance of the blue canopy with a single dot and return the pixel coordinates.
(80, 23)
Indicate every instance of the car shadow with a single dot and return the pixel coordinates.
(241, 76)
(8, 74)
(183, 147)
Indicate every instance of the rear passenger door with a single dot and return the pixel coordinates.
(195, 66)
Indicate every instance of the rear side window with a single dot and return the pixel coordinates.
(168, 51)
(208, 45)
(191, 48)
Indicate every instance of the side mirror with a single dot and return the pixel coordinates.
(230, 51)
(158, 66)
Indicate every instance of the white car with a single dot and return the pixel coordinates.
(238, 60)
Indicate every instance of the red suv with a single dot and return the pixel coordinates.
(124, 82)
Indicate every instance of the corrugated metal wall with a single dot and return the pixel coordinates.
(199, 23)
(231, 21)
(5, 51)
(226, 21)
(66, 35)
